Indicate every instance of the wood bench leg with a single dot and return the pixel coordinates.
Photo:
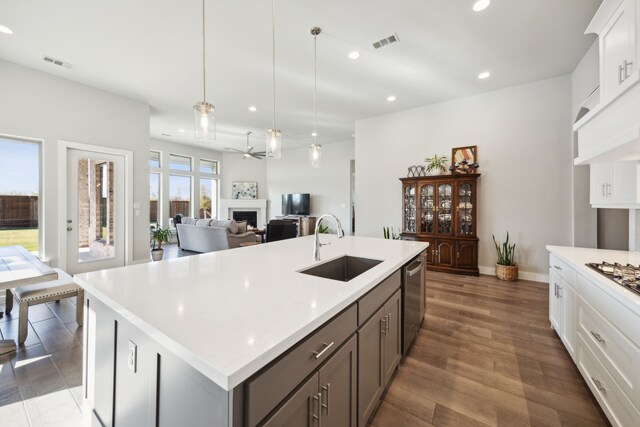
(23, 323)
(80, 307)
(8, 305)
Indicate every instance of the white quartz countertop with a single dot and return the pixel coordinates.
(579, 257)
(229, 313)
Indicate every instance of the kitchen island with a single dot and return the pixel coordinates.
(217, 338)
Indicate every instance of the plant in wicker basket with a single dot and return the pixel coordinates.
(506, 267)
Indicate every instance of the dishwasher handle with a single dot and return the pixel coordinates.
(415, 270)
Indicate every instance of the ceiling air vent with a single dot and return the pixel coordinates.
(57, 62)
(385, 41)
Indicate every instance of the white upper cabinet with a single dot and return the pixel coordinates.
(615, 185)
(618, 51)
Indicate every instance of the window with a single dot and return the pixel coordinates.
(179, 195)
(208, 198)
(19, 193)
(209, 167)
(154, 198)
(180, 163)
(154, 159)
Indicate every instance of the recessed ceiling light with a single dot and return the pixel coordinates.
(252, 108)
(484, 75)
(481, 5)
(181, 130)
(391, 98)
(314, 134)
(354, 55)
(5, 30)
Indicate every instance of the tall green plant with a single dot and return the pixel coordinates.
(436, 163)
(506, 252)
(159, 235)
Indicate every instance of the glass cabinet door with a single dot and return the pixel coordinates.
(427, 208)
(465, 224)
(445, 207)
(409, 220)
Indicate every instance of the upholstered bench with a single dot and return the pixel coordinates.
(43, 292)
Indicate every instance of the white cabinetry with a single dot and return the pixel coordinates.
(617, 47)
(601, 335)
(615, 184)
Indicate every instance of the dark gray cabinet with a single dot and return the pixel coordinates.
(379, 352)
(328, 398)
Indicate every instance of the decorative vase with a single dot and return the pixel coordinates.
(507, 272)
(157, 254)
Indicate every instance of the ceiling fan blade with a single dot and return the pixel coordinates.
(256, 156)
(233, 149)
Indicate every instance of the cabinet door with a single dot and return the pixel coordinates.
(465, 209)
(338, 382)
(301, 409)
(392, 336)
(445, 208)
(466, 254)
(555, 313)
(444, 253)
(625, 182)
(427, 208)
(409, 205)
(599, 181)
(430, 255)
(617, 50)
(569, 301)
(370, 373)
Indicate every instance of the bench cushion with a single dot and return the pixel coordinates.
(63, 286)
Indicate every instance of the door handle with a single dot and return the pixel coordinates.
(621, 70)
(318, 354)
(415, 270)
(388, 316)
(327, 388)
(627, 66)
(69, 228)
(69, 221)
(383, 325)
(603, 189)
(597, 337)
(598, 384)
(312, 412)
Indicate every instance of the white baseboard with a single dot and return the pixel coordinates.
(524, 275)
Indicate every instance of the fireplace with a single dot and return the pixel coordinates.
(238, 208)
(250, 216)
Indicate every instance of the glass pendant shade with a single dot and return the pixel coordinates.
(274, 144)
(315, 155)
(205, 124)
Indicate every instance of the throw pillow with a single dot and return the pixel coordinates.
(230, 224)
(242, 226)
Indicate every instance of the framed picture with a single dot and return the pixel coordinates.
(465, 157)
(244, 190)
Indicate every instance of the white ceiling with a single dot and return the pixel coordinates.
(149, 50)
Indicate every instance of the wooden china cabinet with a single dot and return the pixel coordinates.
(442, 210)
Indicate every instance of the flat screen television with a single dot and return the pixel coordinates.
(296, 204)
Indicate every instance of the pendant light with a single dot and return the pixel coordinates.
(203, 112)
(274, 135)
(315, 149)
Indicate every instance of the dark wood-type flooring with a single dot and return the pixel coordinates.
(487, 356)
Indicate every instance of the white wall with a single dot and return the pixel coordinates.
(584, 79)
(48, 108)
(237, 168)
(166, 148)
(523, 135)
(329, 185)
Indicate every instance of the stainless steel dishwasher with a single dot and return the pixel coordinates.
(412, 300)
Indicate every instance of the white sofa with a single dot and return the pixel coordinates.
(210, 235)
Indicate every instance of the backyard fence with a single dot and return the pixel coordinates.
(18, 211)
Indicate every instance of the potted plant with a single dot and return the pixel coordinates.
(436, 165)
(159, 235)
(506, 267)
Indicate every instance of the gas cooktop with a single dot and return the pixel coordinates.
(627, 276)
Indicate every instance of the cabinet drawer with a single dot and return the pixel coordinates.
(271, 386)
(563, 269)
(371, 302)
(615, 404)
(615, 312)
(616, 353)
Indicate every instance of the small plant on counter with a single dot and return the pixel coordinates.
(323, 229)
(506, 267)
(436, 164)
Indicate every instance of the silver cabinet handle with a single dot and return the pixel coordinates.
(555, 290)
(598, 384)
(620, 72)
(597, 337)
(327, 388)
(603, 189)
(326, 347)
(608, 189)
(312, 412)
(415, 270)
(383, 325)
(388, 316)
(69, 228)
(627, 66)
(557, 267)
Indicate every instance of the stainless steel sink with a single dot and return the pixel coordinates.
(344, 268)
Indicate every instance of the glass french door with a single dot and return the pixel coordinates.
(95, 211)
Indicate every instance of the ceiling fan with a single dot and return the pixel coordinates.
(248, 152)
